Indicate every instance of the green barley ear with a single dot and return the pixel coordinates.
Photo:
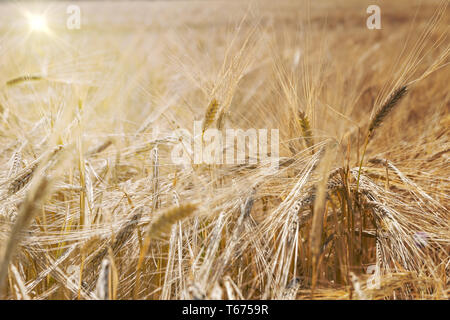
(387, 107)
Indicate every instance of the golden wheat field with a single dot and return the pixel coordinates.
(94, 116)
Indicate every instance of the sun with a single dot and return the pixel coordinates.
(37, 22)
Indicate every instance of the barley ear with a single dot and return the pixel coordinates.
(210, 115)
(27, 211)
(378, 119)
(163, 223)
(103, 281)
(158, 227)
(306, 129)
(386, 108)
(22, 79)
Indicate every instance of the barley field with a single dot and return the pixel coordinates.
(93, 205)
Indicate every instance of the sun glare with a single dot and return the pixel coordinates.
(37, 22)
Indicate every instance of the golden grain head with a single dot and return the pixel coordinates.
(94, 122)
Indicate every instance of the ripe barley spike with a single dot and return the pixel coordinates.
(383, 112)
(215, 150)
